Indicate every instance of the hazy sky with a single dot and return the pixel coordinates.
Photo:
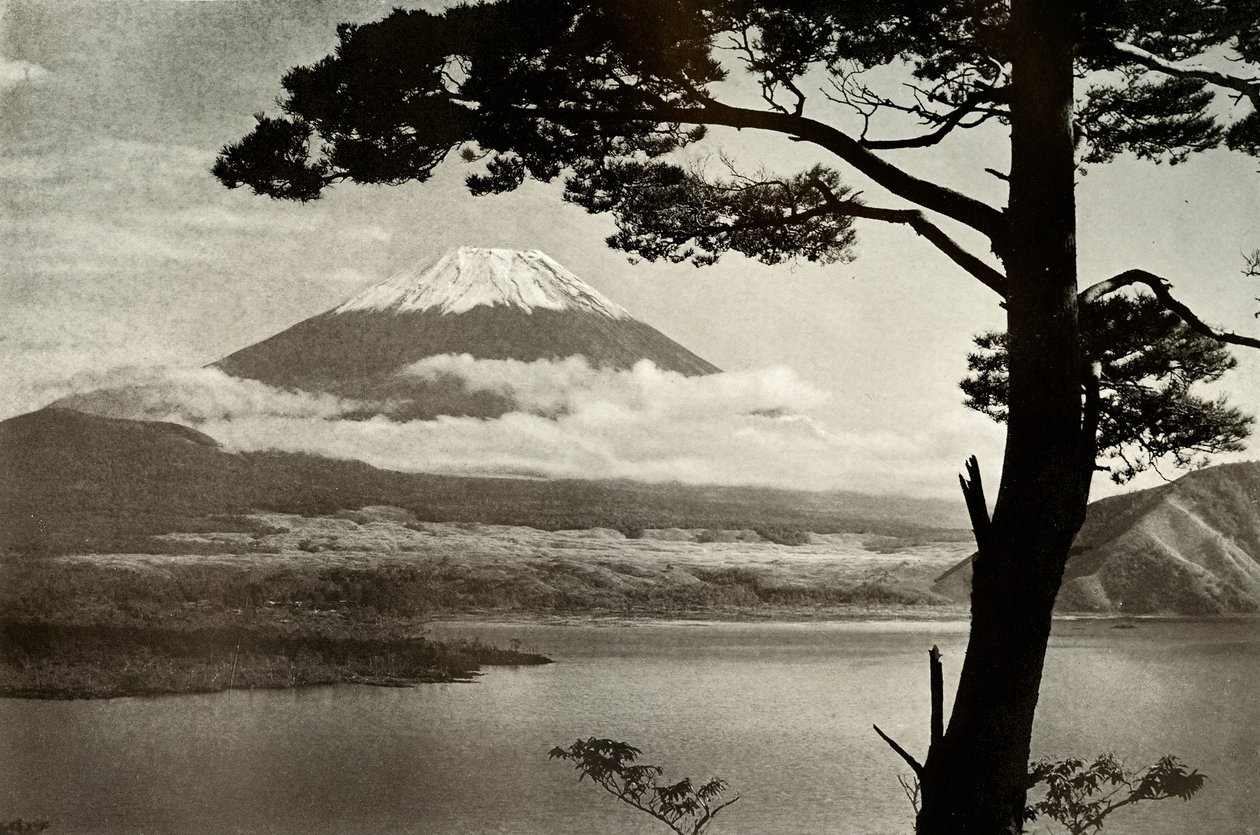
(120, 249)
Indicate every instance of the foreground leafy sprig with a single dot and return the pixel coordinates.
(23, 827)
(1081, 795)
(684, 807)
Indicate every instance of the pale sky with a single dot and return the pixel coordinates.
(120, 249)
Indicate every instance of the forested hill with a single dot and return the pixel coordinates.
(1188, 547)
(78, 482)
(1191, 547)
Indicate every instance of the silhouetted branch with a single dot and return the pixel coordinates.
(915, 219)
(932, 196)
(1249, 87)
(683, 806)
(901, 752)
(938, 697)
(913, 790)
(1251, 268)
(1163, 291)
(1079, 794)
(1251, 263)
(708, 816)
(973, 493)
(947, 123)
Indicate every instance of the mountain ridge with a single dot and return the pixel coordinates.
(1198, 538)
(1190, 547)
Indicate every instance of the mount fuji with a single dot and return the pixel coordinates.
(497, 304)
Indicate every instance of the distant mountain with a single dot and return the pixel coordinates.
(74, 482)
(487, 303)
(1191, 547)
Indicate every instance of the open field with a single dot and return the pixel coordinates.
(377, 561)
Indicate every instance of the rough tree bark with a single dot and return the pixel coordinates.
(975, 777)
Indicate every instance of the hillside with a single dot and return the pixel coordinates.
(1191, 547)
(77, 483)
(72, 481)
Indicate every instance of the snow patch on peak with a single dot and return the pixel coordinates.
(470, 277)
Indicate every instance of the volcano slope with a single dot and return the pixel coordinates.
(493, 304)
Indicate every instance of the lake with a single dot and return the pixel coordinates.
(783, 712)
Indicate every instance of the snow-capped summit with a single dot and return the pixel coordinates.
(493, 304)
(470, 277)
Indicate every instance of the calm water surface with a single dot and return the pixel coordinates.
(783, 712)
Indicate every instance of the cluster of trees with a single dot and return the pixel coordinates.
(604, 94)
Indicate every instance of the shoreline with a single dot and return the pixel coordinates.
(63, 668)
(160, 624)
(42, 660)
(922, 614)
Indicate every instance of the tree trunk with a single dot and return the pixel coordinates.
(975, 778)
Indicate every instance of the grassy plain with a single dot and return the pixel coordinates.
(379, 561)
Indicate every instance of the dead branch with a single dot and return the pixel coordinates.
(973, 494)
(901, 752)
(938, 697)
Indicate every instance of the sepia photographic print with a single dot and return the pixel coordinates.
(629, 416)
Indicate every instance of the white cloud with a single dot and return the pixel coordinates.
(737, 449)
(574, 421)
(571, 385)
(194, 395)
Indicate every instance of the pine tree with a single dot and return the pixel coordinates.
(604, 94)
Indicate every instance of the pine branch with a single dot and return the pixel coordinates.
(1249, 87)
(951, 120)
(833, 205)
(932, 196)
(915, 219)
(1162, 289)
